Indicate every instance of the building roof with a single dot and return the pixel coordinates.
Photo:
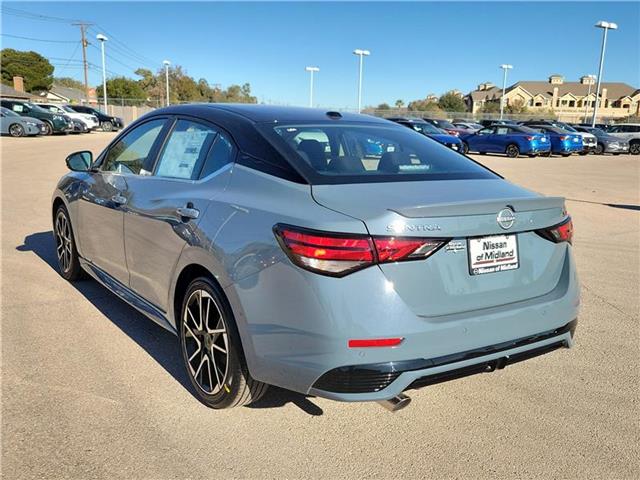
(68, 93)
(615, 90)
(9, 92)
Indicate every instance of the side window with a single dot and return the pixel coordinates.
(130, 152)
(185, 150)
(222, 153)
(16, 107)
(502, 130)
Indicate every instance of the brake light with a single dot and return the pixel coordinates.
(529, 138)
(563, 232)
(338, 254)
(563, 138)
(453, 132)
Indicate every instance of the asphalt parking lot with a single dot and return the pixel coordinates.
(91, 389)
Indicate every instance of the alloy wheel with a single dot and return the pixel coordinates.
(107, 126)
(206, 342)
(599, 149)
(16, 130)
(513, 151)
(634, 148)
(64, 245)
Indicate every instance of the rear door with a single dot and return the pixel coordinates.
(500, 139)
(164, 208)
(482, 139)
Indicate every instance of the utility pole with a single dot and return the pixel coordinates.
(83, 35)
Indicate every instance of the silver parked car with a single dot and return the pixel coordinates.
(336, 255)
(18, 126)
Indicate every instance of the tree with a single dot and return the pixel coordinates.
(491, 107)
(68, 82)
(425, 106)
(122, 87)
(451, 102)
(399, 103)
(517, 106)
(383, 106)
(33, 67)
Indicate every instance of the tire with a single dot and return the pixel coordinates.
(634, 147)
(48, 129)
(106, 126)
(512, 151)
(599, 149)
(482, 153)
(214, 326)
(66, 252)
(546, 154)
(566, 155)
(16, 130)
(465, 148)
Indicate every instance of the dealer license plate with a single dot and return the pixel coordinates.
(493, 254)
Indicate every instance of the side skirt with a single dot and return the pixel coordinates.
(128, 295)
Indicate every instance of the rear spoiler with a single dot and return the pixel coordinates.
(481, 207)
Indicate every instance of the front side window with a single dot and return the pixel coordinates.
(185, 150)
(353, 153)
(129, 154)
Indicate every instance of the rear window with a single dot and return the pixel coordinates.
(352, 153)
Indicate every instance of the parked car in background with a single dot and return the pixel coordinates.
(90, 120)
(54, 122)
(629, 132)
(602, 126)
(562, 142)
(108, 123)
(589, 142)
(470, 126)
(606, 143)
(79, 126)
(489, 122)
(335, 273)
(447, 126)
(18, 126)
(512, 140)
(430, 131)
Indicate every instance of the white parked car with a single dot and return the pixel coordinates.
(629, 132)
(90, 120)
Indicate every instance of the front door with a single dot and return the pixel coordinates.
(104, 198)
(165, 209)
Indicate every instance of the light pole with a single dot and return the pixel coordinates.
(311, 70)
(103, 39)
(504, 67)
(360, 53)
(166, 64)
(586, 102)
(606, 26)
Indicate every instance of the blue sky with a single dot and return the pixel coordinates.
(416, 48)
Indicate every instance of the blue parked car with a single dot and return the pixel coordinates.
(562, 142)
(430, 131)
(512, 140)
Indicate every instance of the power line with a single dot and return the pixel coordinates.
(124, 48)
(38, 39)
(34, 16)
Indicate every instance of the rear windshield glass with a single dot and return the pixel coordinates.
(444, 124)
(352, 153)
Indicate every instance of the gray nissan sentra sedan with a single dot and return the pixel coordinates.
(332, 254)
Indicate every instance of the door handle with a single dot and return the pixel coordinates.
(188, 212)
(119, 199)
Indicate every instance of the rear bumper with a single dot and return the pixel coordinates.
(295, 325)
(385, 380)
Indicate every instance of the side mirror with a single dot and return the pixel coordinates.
(80, 161)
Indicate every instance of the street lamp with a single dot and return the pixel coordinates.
(504, 67)
(311, 70)
(103, 39)
(166, 64)
(360, 53)
(606, 26)
(590, 78)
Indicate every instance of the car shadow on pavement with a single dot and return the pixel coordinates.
(159, 343)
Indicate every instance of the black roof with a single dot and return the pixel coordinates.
(268, 113)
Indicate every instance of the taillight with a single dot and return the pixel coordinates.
(563, 232)
(453, 132)
(338, 254)
(529, 138)
(563, 138)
